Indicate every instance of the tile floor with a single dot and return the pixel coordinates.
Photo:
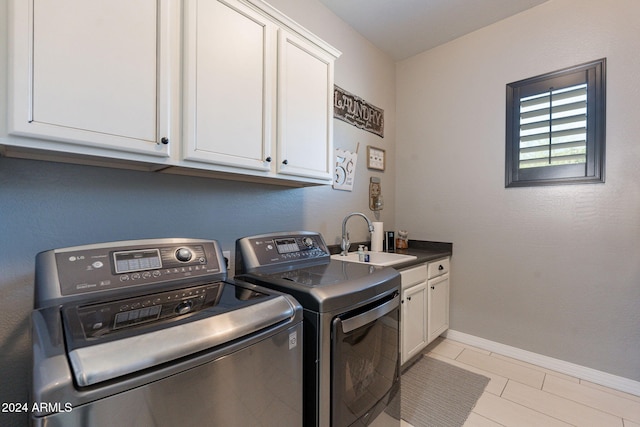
(520, 394)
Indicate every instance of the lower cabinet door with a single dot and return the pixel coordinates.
(438, 308)
(414, 320)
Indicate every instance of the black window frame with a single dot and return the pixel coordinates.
(594, 75)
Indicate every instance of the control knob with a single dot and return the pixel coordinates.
(183, 254)
(308, 242)
(184, 307)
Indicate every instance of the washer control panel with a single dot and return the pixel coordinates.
(87, 269)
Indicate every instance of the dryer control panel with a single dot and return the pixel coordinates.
(274, 249)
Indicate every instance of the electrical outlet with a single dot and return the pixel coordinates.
(227, 258)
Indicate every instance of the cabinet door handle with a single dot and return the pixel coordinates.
(164, 140)
(285, 162)
(440, 267)
(433, 287)
(268, 159)
(409, 298)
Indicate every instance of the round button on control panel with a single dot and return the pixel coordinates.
(184, 307)
(184, 254)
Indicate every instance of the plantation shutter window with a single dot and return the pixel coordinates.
(555, 128)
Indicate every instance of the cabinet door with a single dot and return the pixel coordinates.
(438, 310)
(91, 73)
(305, 108)
(414, 320)
(229, 82)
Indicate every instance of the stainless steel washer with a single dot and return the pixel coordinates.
(151, 333)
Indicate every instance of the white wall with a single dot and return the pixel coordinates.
(553, 270)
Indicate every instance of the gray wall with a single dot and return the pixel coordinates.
(552, 270)
(47, 205)
(565, 282)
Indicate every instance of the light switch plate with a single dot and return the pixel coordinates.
(375, 158)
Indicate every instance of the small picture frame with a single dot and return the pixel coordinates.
(375, 158)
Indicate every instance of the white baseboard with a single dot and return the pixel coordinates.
(598, 377)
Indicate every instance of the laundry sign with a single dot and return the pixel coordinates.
(357, 112)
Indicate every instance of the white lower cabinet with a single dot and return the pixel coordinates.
(425, 306)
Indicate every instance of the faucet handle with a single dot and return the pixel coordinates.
(345, 244)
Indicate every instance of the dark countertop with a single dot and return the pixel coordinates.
(425, 251)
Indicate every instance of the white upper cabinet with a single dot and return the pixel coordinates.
(223, 88)
(305, 108)
(258, 92)
(229, 84)
(91, 74)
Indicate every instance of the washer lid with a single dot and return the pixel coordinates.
(107, 360)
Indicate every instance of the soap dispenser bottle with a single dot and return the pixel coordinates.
(361, 253)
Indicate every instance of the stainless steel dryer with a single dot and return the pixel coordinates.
(351, 325)
(151, 333)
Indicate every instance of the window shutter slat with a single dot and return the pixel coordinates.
(553, 127)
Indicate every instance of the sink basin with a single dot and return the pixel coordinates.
(376, 258)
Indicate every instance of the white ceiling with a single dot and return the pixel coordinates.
(403, 28)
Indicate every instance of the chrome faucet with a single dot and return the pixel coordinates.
(345, 234)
